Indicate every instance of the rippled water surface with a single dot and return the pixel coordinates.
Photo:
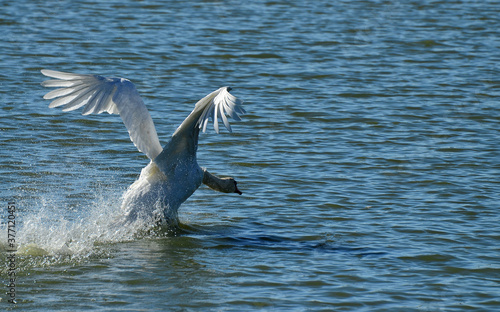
(368, 158)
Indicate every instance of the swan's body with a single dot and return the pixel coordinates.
(173, 174)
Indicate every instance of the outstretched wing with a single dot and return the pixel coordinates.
(216, 105)
(184, 141)
(112, 95)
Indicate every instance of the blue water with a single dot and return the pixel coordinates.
(368, 158)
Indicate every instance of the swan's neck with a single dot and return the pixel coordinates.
(225, 185)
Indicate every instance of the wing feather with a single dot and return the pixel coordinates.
(216, 118)
(57, 93)
(81, 99)
(58, 83)
(215, 105)
(100, 94)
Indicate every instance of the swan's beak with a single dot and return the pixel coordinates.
(236, 189)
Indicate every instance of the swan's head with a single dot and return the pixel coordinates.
(225, 185)
(229, 185)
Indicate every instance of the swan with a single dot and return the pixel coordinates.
(173, 173)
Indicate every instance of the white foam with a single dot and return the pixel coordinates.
(48, 234)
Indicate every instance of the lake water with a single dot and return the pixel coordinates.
(368, 158)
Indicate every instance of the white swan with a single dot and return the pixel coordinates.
(173, 173)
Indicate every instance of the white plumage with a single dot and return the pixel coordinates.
(179, 174)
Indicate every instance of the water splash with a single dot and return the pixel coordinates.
(47, 235)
